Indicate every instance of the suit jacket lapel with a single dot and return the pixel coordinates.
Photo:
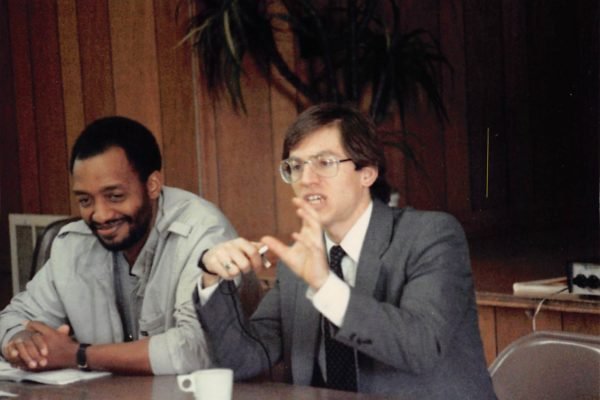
(377, 241)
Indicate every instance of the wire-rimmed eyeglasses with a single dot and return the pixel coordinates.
(326, 166)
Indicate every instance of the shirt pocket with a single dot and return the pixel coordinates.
(152, 325)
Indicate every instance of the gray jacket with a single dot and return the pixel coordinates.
(411, 316)
(76, 285)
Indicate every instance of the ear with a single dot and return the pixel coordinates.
(368, 175)
(154, 185)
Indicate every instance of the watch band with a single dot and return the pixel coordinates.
(202, 266)
(81, 357)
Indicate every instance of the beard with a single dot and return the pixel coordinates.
(139, 226)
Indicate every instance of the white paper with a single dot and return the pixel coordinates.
(55, 377)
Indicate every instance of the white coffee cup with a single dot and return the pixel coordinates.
(208, 384)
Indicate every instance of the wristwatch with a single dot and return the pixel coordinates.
(81, 357)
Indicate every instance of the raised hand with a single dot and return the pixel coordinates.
(307, 257)
(230, 259)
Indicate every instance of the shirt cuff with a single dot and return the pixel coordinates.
(205, 293)
(331, 299)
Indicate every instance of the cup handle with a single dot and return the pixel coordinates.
(186, 383)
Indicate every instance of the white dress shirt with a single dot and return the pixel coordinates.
(332, 298)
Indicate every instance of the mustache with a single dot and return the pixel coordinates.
(94, 226)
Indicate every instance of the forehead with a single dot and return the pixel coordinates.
(324, 140)
(108, 169)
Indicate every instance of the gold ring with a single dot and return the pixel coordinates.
(227, 266)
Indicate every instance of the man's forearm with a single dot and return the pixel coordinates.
(121, 358)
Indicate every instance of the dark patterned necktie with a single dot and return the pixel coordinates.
(340, 360)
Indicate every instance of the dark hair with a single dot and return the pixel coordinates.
(134, 138)
(358, 137)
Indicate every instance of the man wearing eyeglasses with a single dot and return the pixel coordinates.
(368, 298)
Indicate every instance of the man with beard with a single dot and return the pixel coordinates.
(116, 292)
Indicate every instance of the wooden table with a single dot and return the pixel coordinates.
(165, 387)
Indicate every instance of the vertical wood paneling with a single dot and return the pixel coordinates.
(96, 65)
(283, 113)
(513, 323)
(520, 146)
(132, 35)
(246, 161)
(487, 329)
(180, 158)
(485, 92)
(551, 35)
(426, 186)
(502, 325)
(582, 323)
(207, 131)
(25, 116)
(71, 77)
(396, 161)
(587, 112)
(48, 103)
(58, 86)
(454, 95)
(10, 195)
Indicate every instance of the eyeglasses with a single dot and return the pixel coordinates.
(324, 165)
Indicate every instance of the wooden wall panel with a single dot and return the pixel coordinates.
(485, 93)
(10, 195)
(458, 200)
(207, 132)
(426, 185)
(92, 58)
(501, 324)
(24, 105)
(512, 323)
(487, 329)
(582, 323)
(396, 161)
(245, 161)
(96, 65)
(181, 168)
(283, 113)
(48, 103)
(587, 112)
(71, 78)
(132, 39)
(520, 145)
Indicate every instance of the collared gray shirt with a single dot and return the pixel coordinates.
(76, 285)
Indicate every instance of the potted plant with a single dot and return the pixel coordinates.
(354, 52)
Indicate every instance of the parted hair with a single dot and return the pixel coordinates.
(358, 137)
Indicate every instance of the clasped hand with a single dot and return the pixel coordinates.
(306, 257)
(40, 347)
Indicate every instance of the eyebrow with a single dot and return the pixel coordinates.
(103, 190)
(321, 153)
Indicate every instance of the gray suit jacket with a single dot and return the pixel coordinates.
(411, 316)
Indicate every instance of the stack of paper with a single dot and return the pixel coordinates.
(56, 377)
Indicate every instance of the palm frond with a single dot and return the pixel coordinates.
(350, 49)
